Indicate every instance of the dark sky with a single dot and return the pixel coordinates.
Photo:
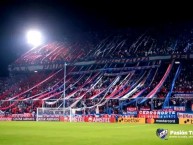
(59, 18)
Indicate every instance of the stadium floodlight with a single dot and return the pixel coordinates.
(34, 38)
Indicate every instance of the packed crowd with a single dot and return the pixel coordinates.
(108, 90)
(110, 45)
(109, 87)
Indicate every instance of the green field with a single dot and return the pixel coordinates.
(60, 133)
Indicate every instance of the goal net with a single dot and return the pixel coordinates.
(54, 114)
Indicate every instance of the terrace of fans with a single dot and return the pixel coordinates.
(108, 72)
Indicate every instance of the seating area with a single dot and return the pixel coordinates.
(110, 45)
(111, 87)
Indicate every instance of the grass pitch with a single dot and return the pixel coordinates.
(60, 133)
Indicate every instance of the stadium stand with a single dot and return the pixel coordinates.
(109, 72)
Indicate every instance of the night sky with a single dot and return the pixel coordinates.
(55, 19)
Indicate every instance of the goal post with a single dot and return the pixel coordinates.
(53, 114)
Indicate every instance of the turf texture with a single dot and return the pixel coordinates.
(60, 133)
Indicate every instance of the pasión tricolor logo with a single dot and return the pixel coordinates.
(162, 133)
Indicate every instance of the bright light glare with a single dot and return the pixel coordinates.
(34, 38)
(177, 62)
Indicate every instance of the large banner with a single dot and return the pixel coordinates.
(23, 119)
(180, 56)
(107, 119)
(182, 95)
(179, 108)
(22, 115)
(162, 120)
(157, 114)
(48, 118)
(131, 109)
(131, 120)
(185, 120)
(102, 119)
(166, 121)
(131, 60)
(184, 115)
(5, 118)
(168, 108)
(131, 113)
